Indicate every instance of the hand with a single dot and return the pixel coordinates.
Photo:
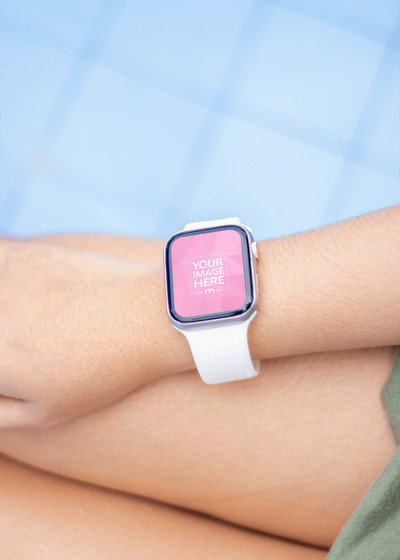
(70, 330)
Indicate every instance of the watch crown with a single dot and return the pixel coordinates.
(254, 249)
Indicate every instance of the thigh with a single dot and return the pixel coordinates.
(44, 517)
(289, 453)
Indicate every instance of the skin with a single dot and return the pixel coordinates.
(64, 520)
(275, 483)
(332, 288)
(291, 454)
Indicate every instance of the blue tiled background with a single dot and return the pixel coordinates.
(135, 117)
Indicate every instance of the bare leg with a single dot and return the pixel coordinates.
(43, 517)
(290, 453)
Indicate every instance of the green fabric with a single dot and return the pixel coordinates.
(373, 530)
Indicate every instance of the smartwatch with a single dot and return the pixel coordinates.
(212, 292)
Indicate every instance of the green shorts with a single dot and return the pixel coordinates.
(373, 530)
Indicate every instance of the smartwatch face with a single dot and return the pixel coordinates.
(209, 274)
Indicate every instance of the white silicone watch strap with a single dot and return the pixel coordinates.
(222, 353)
(212, 223)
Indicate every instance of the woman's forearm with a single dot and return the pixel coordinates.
(329, 288)
(332, 288)
(97, 327)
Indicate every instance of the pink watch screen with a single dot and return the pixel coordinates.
(207, 272)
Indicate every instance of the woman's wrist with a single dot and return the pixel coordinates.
(332, 288)
(160, 348)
